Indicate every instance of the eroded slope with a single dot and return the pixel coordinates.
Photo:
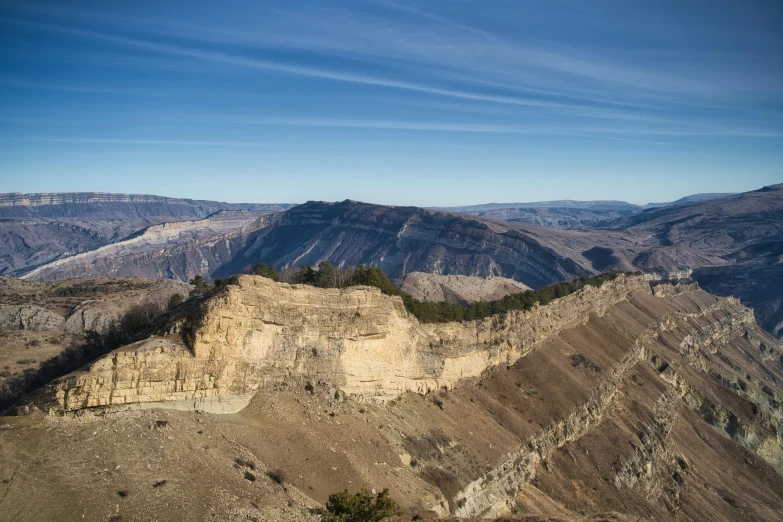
(662, 405)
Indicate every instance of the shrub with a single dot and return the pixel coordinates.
(278, 475)
(264, 270)
(175, 300)
(329, 276)
(359, 507)
(199, 286)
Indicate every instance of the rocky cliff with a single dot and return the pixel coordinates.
(661, 404)
(29, 317)
(137, 249)
(108, 205)
(36, 229)
(257, 332)
(42, 322)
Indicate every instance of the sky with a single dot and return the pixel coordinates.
(437, 103)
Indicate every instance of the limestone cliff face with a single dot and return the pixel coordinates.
(258, 333)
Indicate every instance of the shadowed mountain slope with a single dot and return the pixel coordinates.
(401, 240)
(569, 214)
(733, 245)
(39, 228)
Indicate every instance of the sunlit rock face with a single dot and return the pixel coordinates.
(257, 333)
(637, 392)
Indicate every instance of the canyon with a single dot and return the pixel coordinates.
(729, 244)
(39, 228)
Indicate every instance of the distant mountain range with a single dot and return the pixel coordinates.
(732, 245)
(36, 229)
(100, 205)
(618, 206)
(568, 213)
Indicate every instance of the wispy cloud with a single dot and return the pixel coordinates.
(6, 82)
(567, 128)
(269, 65)
(110, 141)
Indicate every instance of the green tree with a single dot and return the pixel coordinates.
(359, 507)
(264, 270)
(199, 286)
(326, 276)
(175, 300)
(305, 276)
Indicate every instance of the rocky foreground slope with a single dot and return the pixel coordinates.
(661, 404)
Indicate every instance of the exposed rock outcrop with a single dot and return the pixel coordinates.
(662, 404)
(36, 229)
(29, 317)
(459, 288)
(258, 332)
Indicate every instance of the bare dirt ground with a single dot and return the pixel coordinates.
(23, 349)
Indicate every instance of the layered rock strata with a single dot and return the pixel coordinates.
(459, 288)
(258, 332)
(661, 404)
(493, 493)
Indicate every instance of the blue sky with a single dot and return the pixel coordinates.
(399, 102)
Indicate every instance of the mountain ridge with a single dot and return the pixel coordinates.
(728, 244)
(628, 395)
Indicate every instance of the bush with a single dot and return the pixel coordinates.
(199, 286)
(329, 276)
(359, 507)
(278, 475)
(175, 300)
(264, 270)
